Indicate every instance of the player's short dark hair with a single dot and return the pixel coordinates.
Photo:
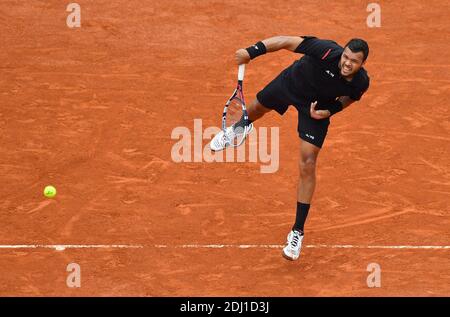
(359, 45)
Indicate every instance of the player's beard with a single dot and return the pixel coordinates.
(348, 72)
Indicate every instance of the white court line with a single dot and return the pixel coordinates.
(433, 247)
(314, 246)
(61, 247)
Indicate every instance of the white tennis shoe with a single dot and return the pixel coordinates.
(223, 140)
(294, 244)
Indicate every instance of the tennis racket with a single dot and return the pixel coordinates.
(235, 117)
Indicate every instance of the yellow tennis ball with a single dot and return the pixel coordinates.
(49, 191)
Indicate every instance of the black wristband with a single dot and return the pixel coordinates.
(335, 107)
(256, 50)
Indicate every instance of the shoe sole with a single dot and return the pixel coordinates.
(288, 257)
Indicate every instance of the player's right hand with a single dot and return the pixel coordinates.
(242, 56)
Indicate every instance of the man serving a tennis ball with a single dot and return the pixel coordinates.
(326, 80)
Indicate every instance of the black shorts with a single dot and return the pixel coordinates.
(278, 96)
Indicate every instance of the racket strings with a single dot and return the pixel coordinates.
(236, 123)
(234, 112)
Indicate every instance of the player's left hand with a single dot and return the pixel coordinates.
(318, 114)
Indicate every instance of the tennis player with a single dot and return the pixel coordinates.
(326, 80)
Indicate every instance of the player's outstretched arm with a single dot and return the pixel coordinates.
(272, 44)
(277, 43)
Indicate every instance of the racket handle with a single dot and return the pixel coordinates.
(241, 72)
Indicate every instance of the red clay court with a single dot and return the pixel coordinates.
(91, 110)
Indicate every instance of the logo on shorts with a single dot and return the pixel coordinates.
(309, 136)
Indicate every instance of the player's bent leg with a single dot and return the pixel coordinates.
(256, 110)
(224, 139)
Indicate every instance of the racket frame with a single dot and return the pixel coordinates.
(237, 94)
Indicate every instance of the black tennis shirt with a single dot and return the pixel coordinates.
(316, 76)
